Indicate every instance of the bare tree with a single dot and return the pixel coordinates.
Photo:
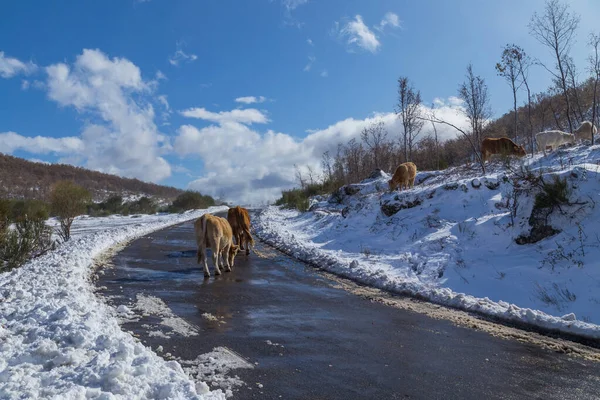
(508, 68)
(409, 109)
(354, 160)
(312, 175)
(555, 113)
(374, 136)
(594, 68)
(326, 165)
(431, 117)
(574, 88)
(555, 28)
(301, 180)
(524, 63)
(474, 93)
(436, 142)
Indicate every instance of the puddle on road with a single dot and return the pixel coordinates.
(183, 254)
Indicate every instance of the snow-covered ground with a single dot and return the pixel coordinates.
(57, 340)
(84, 225)
(452, 240)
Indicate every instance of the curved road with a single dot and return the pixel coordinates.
(307, 338)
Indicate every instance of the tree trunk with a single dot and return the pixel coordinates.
(515, 110)
(594, 107)
(437, 149)
(563, 81)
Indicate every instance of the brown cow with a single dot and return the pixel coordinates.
(215, 233)
(501, 145)
(239, 219)
(404, 176)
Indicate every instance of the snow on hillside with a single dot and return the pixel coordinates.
(57, 340)
(453, 239)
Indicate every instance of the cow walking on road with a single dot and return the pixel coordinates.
(215, 233)
(239, 219)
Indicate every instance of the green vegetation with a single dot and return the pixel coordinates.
(115, 205)
(29, 236)
(298, 198)
(191, 200)
(553, 194)
(68, 201)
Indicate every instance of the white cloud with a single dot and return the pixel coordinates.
(310, 42)
(10, 66)
(181, 56)
(162, 99)
(389, 19)
(160, 76)
(252, 167)
(166, 113)
(324, 73)
(357, 34)
(245, 116)
(25, 84)
(11, 142)
(251, 99)
(124, 139)
(311, 61)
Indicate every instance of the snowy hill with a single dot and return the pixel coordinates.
(482, 243)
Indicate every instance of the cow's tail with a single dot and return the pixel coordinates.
(204, 223)
(247, 234)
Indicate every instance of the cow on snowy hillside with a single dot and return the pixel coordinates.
(501, 145)
(553, 139)
(585, 131)
(404, 176)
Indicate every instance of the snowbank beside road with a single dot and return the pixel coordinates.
(58, 341)
(452, 240)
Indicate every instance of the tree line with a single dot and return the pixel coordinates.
(23, 179)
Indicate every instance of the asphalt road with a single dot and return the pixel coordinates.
(309, 339)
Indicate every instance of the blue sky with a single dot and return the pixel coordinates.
(148, 89)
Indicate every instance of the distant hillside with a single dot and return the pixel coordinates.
(20, 178)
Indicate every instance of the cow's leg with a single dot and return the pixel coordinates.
(226, 257)
(240, 240)
(247, 245)
(215, 257)
(202, 257)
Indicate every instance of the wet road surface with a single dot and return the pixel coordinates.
(309, 339)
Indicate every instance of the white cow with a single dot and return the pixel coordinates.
(585, 131)
(553, 139)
